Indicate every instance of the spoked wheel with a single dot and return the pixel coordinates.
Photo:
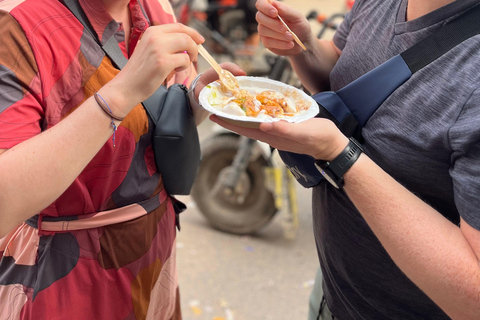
(250, 207)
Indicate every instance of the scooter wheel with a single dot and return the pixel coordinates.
(220, 209)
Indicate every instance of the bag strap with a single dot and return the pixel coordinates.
(111, 47)
(446, 38)
(365, 94)
(154, 104)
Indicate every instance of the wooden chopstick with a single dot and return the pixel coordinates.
(204, 53)
(297, 40)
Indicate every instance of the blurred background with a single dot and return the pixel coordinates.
(246, 249)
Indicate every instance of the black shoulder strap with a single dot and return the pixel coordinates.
(111, 47)
(450, 35)
(153, 105)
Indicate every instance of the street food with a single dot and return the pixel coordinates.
(256, 102)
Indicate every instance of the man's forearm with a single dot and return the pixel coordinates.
(433, 252)
(313, 66)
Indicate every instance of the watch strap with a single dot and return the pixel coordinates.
(340, 165)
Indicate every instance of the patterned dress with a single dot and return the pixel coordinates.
(105, 249)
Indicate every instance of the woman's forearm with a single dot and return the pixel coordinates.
(37, 171)
(429, 249)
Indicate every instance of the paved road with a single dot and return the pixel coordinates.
(260, 277)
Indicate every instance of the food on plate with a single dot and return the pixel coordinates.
(256, 102)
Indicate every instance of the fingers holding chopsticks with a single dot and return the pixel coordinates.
(279, 37)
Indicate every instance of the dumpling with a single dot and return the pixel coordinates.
(233, 108)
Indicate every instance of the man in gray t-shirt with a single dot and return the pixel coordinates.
(401, 239)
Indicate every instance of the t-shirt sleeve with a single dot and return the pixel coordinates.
(465, 171)
(21, 112)
(340, 36)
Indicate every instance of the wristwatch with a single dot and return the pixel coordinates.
(334, 170)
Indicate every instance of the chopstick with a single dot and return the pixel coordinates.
(297, 40)
(225, 76)
(204, 53)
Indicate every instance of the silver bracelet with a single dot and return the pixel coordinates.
(191, 93)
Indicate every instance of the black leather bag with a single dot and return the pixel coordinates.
(175, 141)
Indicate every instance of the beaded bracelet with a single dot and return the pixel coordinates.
(104, 105)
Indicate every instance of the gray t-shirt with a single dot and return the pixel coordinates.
(426, 135)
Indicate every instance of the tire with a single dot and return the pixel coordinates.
(222, 213)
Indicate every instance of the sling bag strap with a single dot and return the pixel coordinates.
(111, 47)
(351, 107)
(113, 51)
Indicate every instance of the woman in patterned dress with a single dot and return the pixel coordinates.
(87, 230)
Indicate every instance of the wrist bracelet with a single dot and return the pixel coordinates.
(191, 92)
(104, 106)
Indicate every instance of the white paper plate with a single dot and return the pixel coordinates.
(259, 83)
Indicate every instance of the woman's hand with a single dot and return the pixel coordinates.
(161, 50)
(273, 33)
(317, 137)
